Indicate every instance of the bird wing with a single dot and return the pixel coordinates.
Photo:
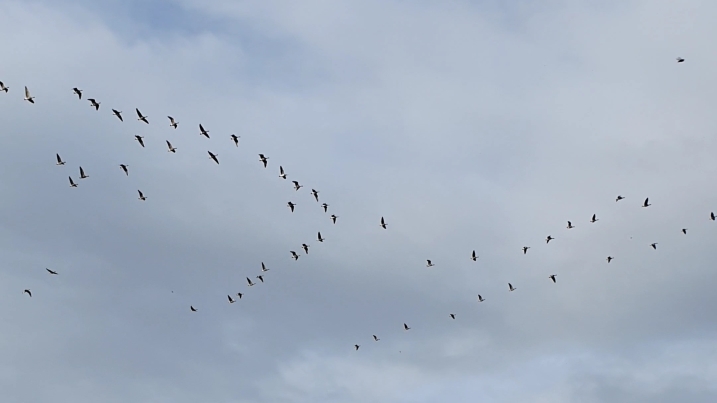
(27, 92)
(58, 158)
(140, 193)
(82, 172)
(139, 114)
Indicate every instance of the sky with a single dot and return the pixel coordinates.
(467, 125)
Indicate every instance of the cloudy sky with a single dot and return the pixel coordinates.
(468, 125)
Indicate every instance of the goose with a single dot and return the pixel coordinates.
(282, 174)
(296, 185)
(646, 204)
(333, 218)
(429, 263)
(82, 174)
(294, 255)
(680, 60)
(28, 97)
(3, 87)
(609, 258)
(214, 157)
(261, 278)
(28, 292)
(594, 219)
(192, 308)
(405, 327)
(525, 249)
(326, 207)
(452, 315)
(203, 132)
(172, 123)
(654, 245)
(118, 114)
(356, 346)
(316, 194)
(552, 277)
(305, 247)
(141, 117)
(263, 159)
(170, 148)
(59, 160)
(72, 184)
(375, 338)
(548, 239)
(263, 267)
(248, 280)
(235, 138)
(712, 216)
(570, 225)
(51, 271)
(240, 295)
(231, 300)
(94, 103)
(124, 168)
(619, 198)
(291, 206)
(383, 223)
(320, 239)
(684, 231)
(141, 195)
(474, 256)
(78, 92)
(480, 299)
(511, 288)
(139, 138)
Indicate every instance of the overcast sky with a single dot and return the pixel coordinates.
(481, 126)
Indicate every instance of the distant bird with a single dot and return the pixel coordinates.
(712, 216)
(94, 103)
(646, 204)
(82, 174)
(240, 295)
(316, 194)
(570, 225)
(59, 160)
(511, 288)
(619, 198)
(261, 278)
(72, 184)
(235, 138)
(282, 174)
(28, 292)
(248, 280)
(28, 97)
(172, 123)
(594, 219)
(203, 132)
(453, 316)
(170, 148)
(141, 195)
(654, 245)
(291, 206)
(51, 271)
(356, 346)
(263, 267)
(78, 92)
(296, 185)
(305, 247)
(525, 249)
(474, 256)
(684, 231)
(139, 138)
(375, 338)
(333, 218)
(141, 117)
(480, 299)
(548, 239)
(231, 300)
(326, 207)
(680, 60)
(552, 277)
(124, 168)
(3, 87)
(320, 239)
(192, 308)
(294, 255)
(429, 263)
(118, 114)
(263, 159)
(405, 327)
(214, 157)
(383, 223)
(609, 258)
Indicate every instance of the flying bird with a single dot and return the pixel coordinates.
(28, 292)
(356, 346)
(474, 256)
(240, 295)
(375, 338)
(480, 299)
(333, 218)
(320, 239)
(235, 138)
(383, 223)
(684, 231)
(654, 245)
(231, 301)
(453, 316)
(139, 138)
(263, 267)
(261, 278)
(680, 60)
(3, 87)
(305, 247)
(552, 277)
(609, 258)
(72, 184)
(511, 288)
(94, 103)
(51, 271)
(172, 123)
(294, 255)
(405, 327)
(59, 160)
(28, 97)
(282, 174)
(570, 225)
(214, 157)
(248, 280)
(118, 114)
(141, 195)
(291, 206)
(263, 159)
(124, 168)
(316, 194)
(141, 117)
(525, 249)
(170, 148)
(203, 132)
(192, 308)
(646, 204)
(619, 198)
(296, 185)
(429, 263)
(326, 207)
(548, 239)
(78, 92)
(82, 174)
(594, 219)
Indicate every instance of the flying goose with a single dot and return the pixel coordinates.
(291, 206)
(72, 184)
(383, 223)
(118, 114)
(570, 225)
(619, 198)
(326, 207)
(452, 315)
(248, 280)
(282, 174)
(552, 277)
(235, 138)
(333, 218)
(141, 195)
(375, 338)
(78, 92)
(231, 300)
(680, 60)
(646, 204)
(684, 231)
(240, 295)
(511, 288)
(172, 123)
(305, 247)
(263, 159)
(316, 194)
(294, 255)
(28, 292)
(474, 256)
(139, 138)
(192, 308)
(82, 174)
(609, 258)
(51, 271)
(594, 219)
(214, 157)
(203, 132)
(654, 245)
(429, 263)
(405, 327)
(29, 98)
(170, 148)
(59, 160)
(480, 299)
(263, 267)
(296, 185)
(548, 239)
(124, 168)
(320, 239)
(141, 117)
(525, 249)
(3, 87)
(260, 278)
(356, 346)
(94, 103)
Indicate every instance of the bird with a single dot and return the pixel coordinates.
(316, 194)
(356, 346)
(429, 263)
(261, 278)
(28, 292)
(3, 87)
(202, 131)
(594, 219)
(291, 206)
(118, 114)
(282, 174)
(375, 338)
(141, 195)
(72, 184)
(453, 316)
(654, 245)
(548, 239)
(82, 174)
(525, 249)
(305, 247)
(240, 295)
(139, 138)
(94, 103)
(474, 256)
(326, 207)
(320, 239)
(263, 267)
(124, 168)
(51, 271)
(646, 204)
(619, 198)
(172, 123)
(570, 225)
(28, 97)
(263, 159)
(214, 157)
(680, 60)
(405, 327)
(383, 223)
(78, 92)
(59, 160)
(141, 117)
(170, 148)
(511, 288)
(248, 280)
(192, 308)
(294, 255)
(712, 216)
(552, 277)
(296, 185)
(231, 301)
(235, 138)
(480, 299)
(609, 258)
(684, 231)
(333, 218)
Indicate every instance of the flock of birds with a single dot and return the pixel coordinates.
(291, 205)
